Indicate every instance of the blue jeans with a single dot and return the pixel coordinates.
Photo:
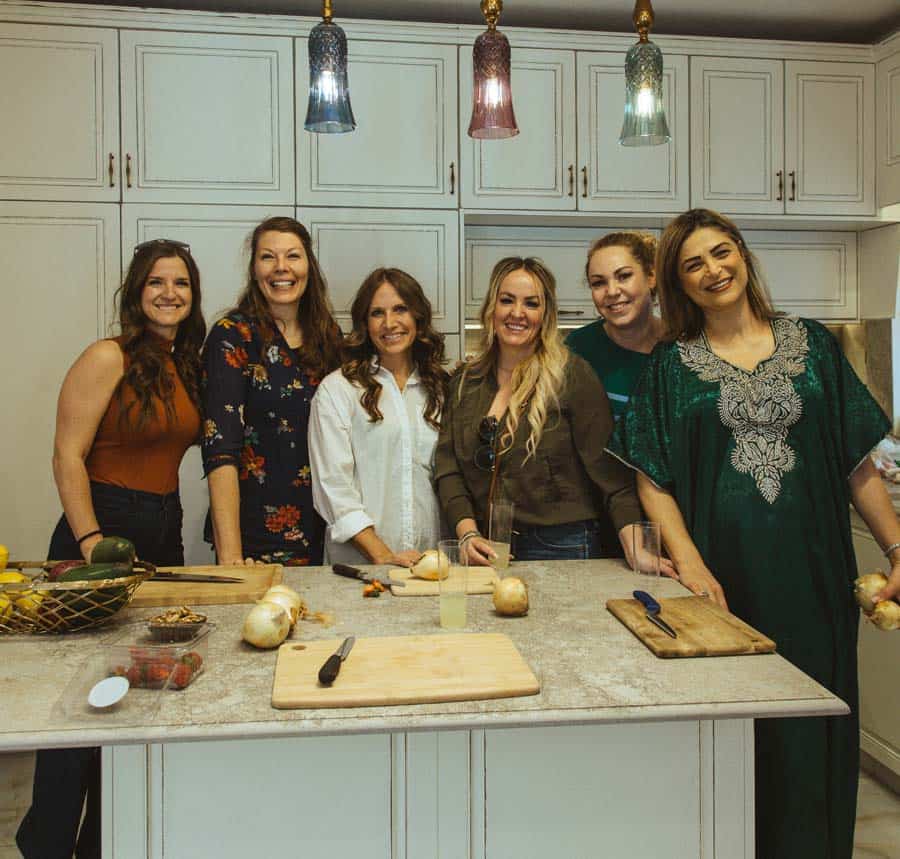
(64, 778)
(571, 541)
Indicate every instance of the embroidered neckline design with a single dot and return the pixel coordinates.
(759, 407)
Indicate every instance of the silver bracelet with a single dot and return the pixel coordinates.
(889, 549)
(474, 533)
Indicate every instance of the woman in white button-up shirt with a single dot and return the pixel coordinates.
(374, 427)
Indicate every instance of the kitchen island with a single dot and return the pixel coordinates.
(620, 755)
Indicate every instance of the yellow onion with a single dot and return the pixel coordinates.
(511, 597)
(886, 615)
(288, 598)
(267, 625)
(865, 588)
(432, 566)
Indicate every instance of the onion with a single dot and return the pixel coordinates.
(511, 597)
(432, 566)
(267, 625)
(288, 598)
(886, 615)
(865, 588)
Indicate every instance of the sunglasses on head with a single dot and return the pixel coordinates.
(485, 453)
(151, 243)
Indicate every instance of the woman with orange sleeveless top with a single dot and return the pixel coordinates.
(128, 412)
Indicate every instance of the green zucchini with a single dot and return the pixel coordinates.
(94, 572)
(113, 550)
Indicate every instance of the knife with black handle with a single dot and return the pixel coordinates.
(653, 609)
(354, 573)
(329, 671)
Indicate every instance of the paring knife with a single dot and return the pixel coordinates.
(354, 573)
(332, 665)
(653, 610)
(159, 576)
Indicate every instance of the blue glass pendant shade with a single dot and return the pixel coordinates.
(329, 110)
(645, 118)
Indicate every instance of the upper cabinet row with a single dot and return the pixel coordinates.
(218, 119)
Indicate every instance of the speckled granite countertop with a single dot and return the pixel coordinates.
(591, 670)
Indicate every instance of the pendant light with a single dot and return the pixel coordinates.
(492, 109)
(645, 118)
(329, 110)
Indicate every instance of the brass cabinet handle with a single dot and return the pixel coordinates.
(452, 177)
(780, 175)
(112, 170)
(571, 180)
(127, 170)
(793, 176)
(584, 181)
(561, 312)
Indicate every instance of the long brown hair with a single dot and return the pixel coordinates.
(681, 317)
(320, 353)
(538, 379)
(146, 372)
(427, 350)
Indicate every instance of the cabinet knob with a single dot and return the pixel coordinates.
(780, 175)
(127, 170)
(112, 170)
(452, 177)
(793, 175)
(571, 180)
(584, 191)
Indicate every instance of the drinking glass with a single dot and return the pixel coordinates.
(453, 584)
(645, 550)
(500, 532)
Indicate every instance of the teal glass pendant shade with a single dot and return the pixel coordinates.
(645, 117)
(329, 110)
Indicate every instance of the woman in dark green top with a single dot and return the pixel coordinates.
(530, 419)
(751, 433)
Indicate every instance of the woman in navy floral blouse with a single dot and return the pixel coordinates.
(262, 363)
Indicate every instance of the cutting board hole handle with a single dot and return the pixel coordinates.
(299, 647)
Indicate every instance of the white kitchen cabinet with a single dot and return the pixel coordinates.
(207, 118)
(350, 243)
(218, 236)
(812, 274)
(887, 78)
(59, 115)
(782, 138)
(536, 168)
(60, 270)
(403, 152)
(616, 178)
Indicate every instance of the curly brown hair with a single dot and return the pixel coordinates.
(427, 350)
(320, 352)
(146, 372)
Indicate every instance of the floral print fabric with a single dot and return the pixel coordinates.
(257, 403)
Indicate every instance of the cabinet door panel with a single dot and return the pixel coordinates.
(530, 170)
(737, 133)
(60, 270)
(404, 101)
(218, 238)
(830, 138)
(630, 178)
(207, 118)
(350, 243)
(887, 76)
(59, 118)
(809, 274)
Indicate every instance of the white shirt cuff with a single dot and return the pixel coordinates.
(349, 525)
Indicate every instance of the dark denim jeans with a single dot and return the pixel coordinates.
(63, 778)
(571, 541)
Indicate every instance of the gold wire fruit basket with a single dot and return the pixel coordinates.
(39, 607)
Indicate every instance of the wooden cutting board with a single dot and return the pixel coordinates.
(480, 581)
(257, 581)
(406, 669)
(704, 628)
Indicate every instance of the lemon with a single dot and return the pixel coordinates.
(26, 601)
(4, 556)
(30, 602)
(12, 576)
(5, 607)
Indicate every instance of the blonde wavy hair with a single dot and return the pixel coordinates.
(535, 381)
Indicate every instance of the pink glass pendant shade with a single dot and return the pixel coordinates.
(492, 108)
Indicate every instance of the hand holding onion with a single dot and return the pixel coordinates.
(885, 614)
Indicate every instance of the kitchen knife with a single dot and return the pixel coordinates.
(160, 576)
(653, 610)
(332, 665)
(354, 573)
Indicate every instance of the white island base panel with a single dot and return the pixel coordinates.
(680, 790)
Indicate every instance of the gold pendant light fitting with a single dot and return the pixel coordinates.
(643, 18)
(491, 10)
(327, 13)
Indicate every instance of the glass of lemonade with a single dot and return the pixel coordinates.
(500, 531)
(453, 585)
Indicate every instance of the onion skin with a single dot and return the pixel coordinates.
(266, 626)
(886, 615)
(511, 597)
(430, 568)
(282, 599)
(865, 588)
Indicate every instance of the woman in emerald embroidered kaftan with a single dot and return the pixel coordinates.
(762, 464)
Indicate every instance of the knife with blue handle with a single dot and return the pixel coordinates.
(653, 609)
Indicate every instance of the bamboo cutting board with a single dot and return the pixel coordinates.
(257, 580)
(704, 628)
(480, 581)
(405, 669)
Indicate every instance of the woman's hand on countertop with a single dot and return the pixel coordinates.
(239, 562)
(479, 551)
(408, 558)
(626, 538)
(700, 581)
